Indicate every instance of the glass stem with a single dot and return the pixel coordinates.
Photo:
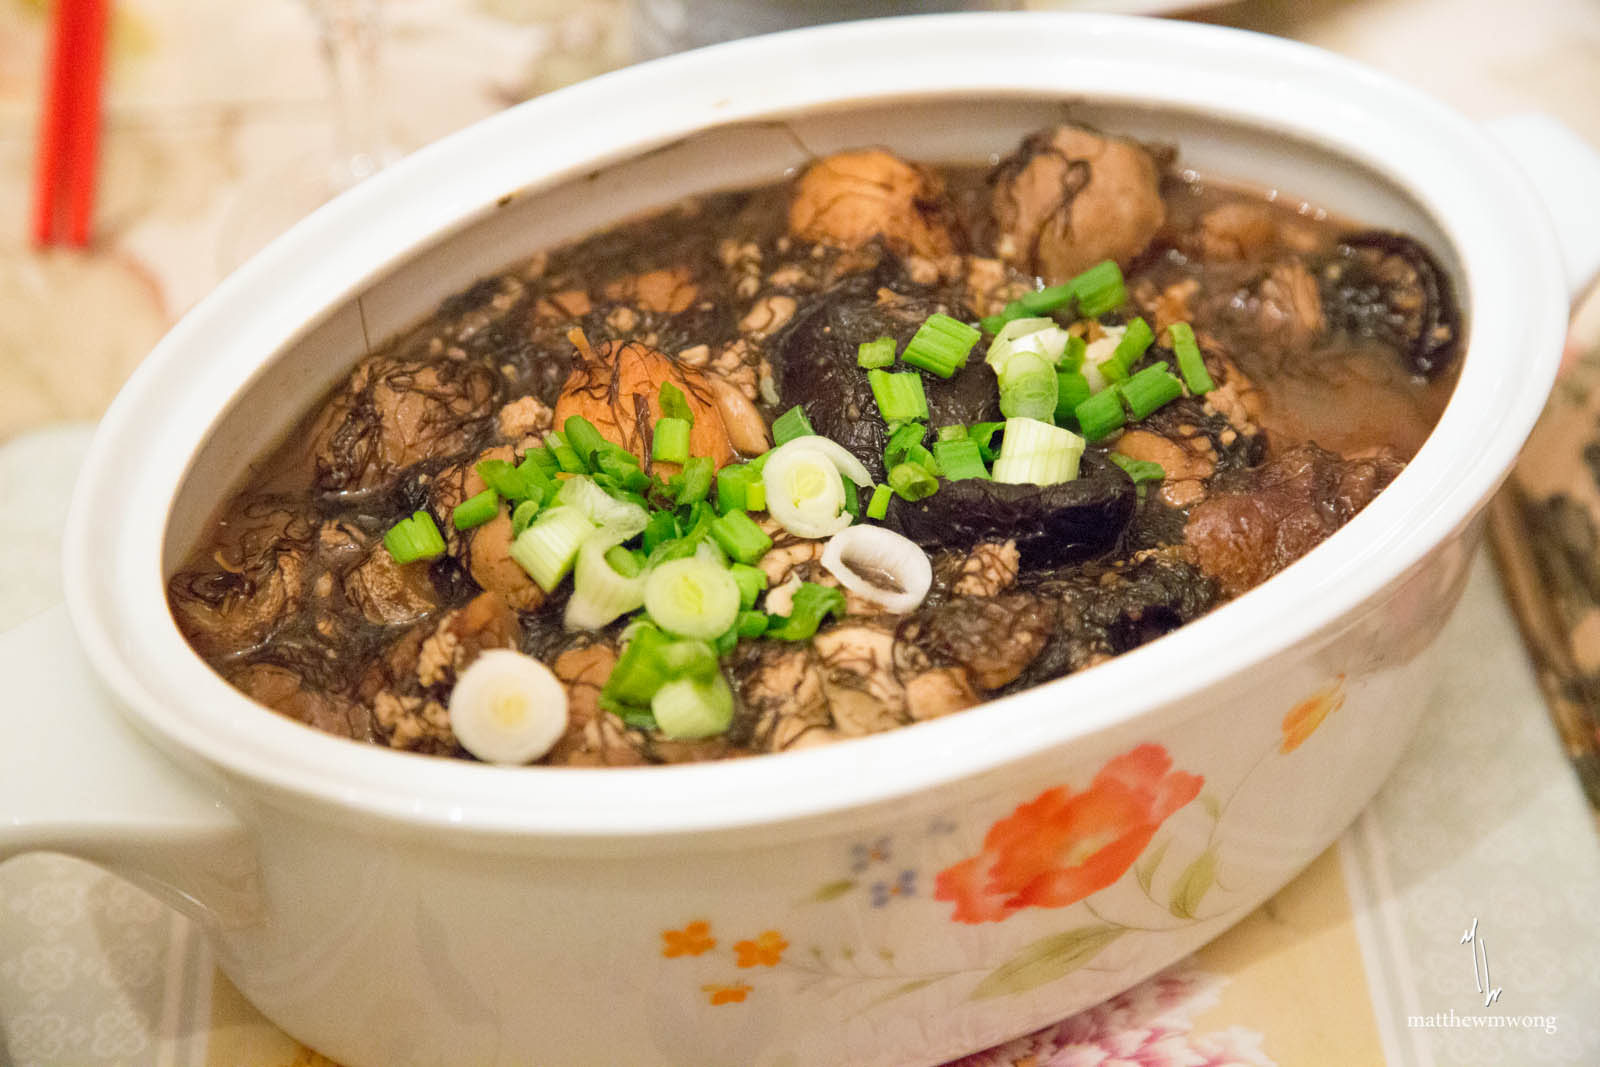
(350, 37)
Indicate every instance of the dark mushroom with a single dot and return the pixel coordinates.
(1051, 525)
(818, 369)
(1386, 287)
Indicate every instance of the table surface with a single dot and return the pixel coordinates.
(209, 104)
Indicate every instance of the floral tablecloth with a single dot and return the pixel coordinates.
(1477, 867)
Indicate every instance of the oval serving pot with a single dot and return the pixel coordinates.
(894, 900)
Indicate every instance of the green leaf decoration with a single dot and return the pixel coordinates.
(902, 990)
(1046, 960)
(1193, 884)
(834, 890)
(1212, 805)
(1145, 871)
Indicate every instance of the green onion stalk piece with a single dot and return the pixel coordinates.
(1150, 389)
(603, 591)
(690, 709)
(878, 506)
(940, 346)
(567, 457)
(1028, 388)
(697, 475)
(522, 516)
(738, 535)
(584, 438)
(414, 539)
(752, 582)
(1140, 470)
(1099, 289)
(900, 396)
(526, 481)
(1072, 389)
(983, 433)
(791, 424)
(671, 441)
(960, 459)
(913, 481)
(674, 405)
(476, 510)
(548, 548)
(1101, 415)
(874, 355)
(1037, 453)
(810, 605)
(1190, 363)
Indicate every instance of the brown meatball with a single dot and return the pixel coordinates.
(1070, 198)
(851, 198)
(606, 389)
(491, 565)
(258, 583)
(1276, 513)
(389, 593)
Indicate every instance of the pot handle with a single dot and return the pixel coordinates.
(75, 777)
(1565, 171)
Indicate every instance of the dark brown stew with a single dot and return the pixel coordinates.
(1331, 348)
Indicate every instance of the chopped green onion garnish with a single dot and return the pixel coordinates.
(912, 481)
(691, 708)
(671, 443)
(751, 582)
(663, 527)
(541, 458)
(734, 485)
(697, 473)
(750, 623)
(810, 605)
(567, 457)
(1140, 470)
(1037, 453)
(740, 537)
(957, 432)
(1047, 300)
(525, 482)
(900, 397)
(1028, 388)
(583, 437)
(1149, 390)
(1190, 363)
(622, 561)
(983, 433)
(547, 548)
(476, 510)
(688, 659)
(415, 538)
(878, 506)
(960, 459)
(693, 597)
(1136, 340)
(875, 354)
(940, 346)
(1072, 389)
(852, 499)
(639, 671)
(901, 442)
(674, 405)
(523, 514)
(606, 584)
(1099, 289)
(1100, 415)
(1072, 356)
(791, 424)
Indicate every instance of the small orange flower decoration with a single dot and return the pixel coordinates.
(764, 951)
(1304, 718)
(692, 940)
(727, 994)
(1062, 846)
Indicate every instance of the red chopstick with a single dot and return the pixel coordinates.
(69, 128)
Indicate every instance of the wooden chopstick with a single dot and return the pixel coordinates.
(69, 129)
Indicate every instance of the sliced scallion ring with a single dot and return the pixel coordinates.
(804, 490)
(688, 709)
(879, 565)
(600, 595)
(508, 708)
(693, 597)
(622, 517)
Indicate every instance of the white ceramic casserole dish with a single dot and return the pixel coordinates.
(391, 909)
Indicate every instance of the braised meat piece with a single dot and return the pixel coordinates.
(852, 198)
(281, 689)
(258, 581)
(1387, 287)
(1071, 197)
(1263, 519)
